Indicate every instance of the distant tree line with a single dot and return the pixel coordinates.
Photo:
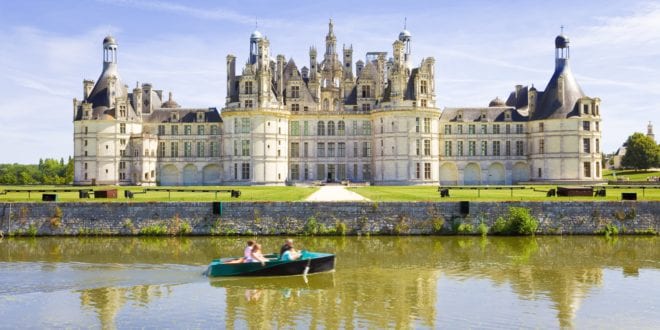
(641, 153)
(48, 171)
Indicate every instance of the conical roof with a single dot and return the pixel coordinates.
(99, 95)
(559, 100)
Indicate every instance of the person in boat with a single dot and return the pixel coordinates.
(247, 254)
(288, 252)
(257, 256)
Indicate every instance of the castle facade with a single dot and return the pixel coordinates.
(373, 121)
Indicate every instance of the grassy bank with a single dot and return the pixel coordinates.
(536, 193)
(248, 193)
(630, 175)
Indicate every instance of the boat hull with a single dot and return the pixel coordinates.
(317, 262)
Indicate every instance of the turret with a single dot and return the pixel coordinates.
(254, 49)
(313, 64)
(279, 77)
(88, 85)
(405, 37)
(231, 77)
(649, 131)
(109, 52)
(348, 62)
(137, 99)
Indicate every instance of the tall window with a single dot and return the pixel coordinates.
(186, 129)
(423, 87)
(214, 149)
(366, 127)
(427, 125)
(161, 149)
(418, 147)
(519, 128)
(248, 87)
(587, 169)
(459, 129)
(245, 171)
(295, 128)
(341, 149)
(306, 149)
(507, 148)
(305, 128)
(214, 129)
(427, 147)
(236, 148)
(417, 170)
(331, 149)
(320, 149)
(586, 145)
(519, 148)
(341, 128)
(472, 146)
(496, 129)
(366, 91)
(586, 125)
(541, 127)
(245, 147)
(484, 129)
(295, 172)
(427, 171)
(447, 129)
(187, 149)
(174, 149)
(200, 149)
(366, 107)
(448, 148)
(122, 128)
(355, 150)
(320, 128)
(597, 146)
(295, 150)
(200, 129)
(366, 149)
(295, 107)
(541, 146)
(496, 148)
(471, 129)
(245, 125)
(484, 148)
(417, 125)
(459, 148)
(366, 172)
(249, 104)
(161, 129)
(508, 129)
(295, 92)
(331, 128)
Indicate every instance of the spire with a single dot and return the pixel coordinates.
(330, 40)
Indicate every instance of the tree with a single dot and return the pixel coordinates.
(641, 152)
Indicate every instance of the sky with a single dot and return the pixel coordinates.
(482, 50)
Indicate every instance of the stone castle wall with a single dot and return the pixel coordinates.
(280, 218)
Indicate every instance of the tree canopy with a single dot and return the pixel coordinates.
(641, 153)
(48, 171)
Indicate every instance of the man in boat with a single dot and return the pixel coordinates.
(288, 252)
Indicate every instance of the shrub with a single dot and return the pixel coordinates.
(482, 229)
(311, 226)
(609, 230)
(154, 230)
(341, 228)
(465, 229)
(32, 230)
(438, 223)
(518, 221)
(185, 228)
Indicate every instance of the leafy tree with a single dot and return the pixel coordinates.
(48, 171)
(641, 152)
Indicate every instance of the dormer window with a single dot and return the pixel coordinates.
(585, 109)
(483, 117)
(459, 117)
(507, 115)
(200, 117)
(174, 117)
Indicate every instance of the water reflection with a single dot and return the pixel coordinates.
(379, 282)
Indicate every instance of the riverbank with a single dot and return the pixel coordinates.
(314, 218)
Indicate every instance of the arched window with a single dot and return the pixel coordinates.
(320, 128)
(331, 128)
(341, 128)
(326, 105)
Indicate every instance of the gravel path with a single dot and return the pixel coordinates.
(335, 194)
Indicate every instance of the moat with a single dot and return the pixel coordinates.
(379, 282)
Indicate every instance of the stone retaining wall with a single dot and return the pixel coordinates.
(280, 218)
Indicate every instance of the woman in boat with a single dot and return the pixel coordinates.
(247, 254)
(257, 256)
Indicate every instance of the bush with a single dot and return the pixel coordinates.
(154, 230)
(311, 226)
(465, 229)
(517, 222)
(341, 228)
(438, 223)
(482, 229)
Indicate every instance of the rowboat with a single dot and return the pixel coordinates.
(309, 263)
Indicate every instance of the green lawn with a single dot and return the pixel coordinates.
(535, 193)
(248, 193)
(631, 175)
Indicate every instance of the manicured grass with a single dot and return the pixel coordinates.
(248, 193)
(535, 193)
(630, 175)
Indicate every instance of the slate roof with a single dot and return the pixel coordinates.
(550, 106)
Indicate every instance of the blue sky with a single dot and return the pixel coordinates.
(482, 50)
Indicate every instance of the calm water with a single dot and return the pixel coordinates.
(379, 282)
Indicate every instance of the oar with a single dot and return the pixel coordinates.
(307, 267)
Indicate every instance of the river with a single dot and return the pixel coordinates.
(379, 282)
